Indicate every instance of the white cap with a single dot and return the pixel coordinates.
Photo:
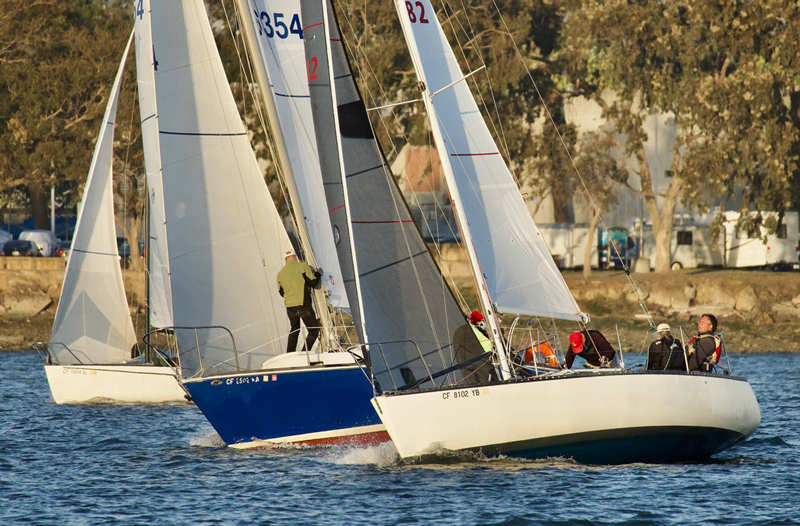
(289, 253)
(663, 327)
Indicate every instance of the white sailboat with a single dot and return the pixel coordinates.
(88, 355)
(226, 241)
(604, 416)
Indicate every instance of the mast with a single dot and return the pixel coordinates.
(285, 164)
(327, 68)
(466, 237)
(461, 216)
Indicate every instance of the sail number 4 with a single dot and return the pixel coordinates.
(412, 14)
(464, 393)
(276, 25)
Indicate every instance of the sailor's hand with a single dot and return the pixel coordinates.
(317, 272)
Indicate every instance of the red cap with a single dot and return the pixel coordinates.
(475, 317)
(576, 340)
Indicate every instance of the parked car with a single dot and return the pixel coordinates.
(124, 250)
(63, 248)
(20, 247)
(5, 236)
(45, 241)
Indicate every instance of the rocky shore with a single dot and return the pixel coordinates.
(758, 311)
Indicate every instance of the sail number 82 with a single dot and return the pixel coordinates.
(412, 15)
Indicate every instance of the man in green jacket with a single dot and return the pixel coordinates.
(295, 281)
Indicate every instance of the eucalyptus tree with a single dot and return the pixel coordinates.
(58, 61)
(715, 66)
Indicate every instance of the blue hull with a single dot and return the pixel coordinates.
(308, 405)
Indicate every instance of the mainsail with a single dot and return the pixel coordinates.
(225, 237)
(93, 323)
(160, 291)
(279, 33)
(401, 304)
(519, 272)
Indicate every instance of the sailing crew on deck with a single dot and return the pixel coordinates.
(470, 341)
(592, 346)
(666, 353)
(295, 281)
(704, 349)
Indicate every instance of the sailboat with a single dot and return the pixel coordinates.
(599, 416)
(226, 240)
(88, 355)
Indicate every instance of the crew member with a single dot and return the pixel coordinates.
(295, 281)
(592, 346)
(704, 349)
(666, 353)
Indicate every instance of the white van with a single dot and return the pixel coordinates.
(45, 241)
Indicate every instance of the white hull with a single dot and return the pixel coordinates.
(610, 417)
(134, 384)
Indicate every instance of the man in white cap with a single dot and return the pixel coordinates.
(295, 281)
(666, 353)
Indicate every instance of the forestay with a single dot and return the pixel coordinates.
(160, 294)
(403, 297)
(93, 323)
(279, 35)
(225, 238)
(519, 272)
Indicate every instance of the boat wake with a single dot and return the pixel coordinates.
(210, 439)
(380, 455)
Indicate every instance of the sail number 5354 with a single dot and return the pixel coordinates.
(413, 8)
(276, 25)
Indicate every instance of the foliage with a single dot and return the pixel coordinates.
(721, 68)
(58, 61)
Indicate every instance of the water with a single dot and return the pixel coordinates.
(74, 465)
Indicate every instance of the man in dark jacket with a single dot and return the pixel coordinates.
(666, 353)
(592, 346)
(295, 281)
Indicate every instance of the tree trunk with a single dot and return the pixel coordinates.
(661, 219)
(560, 203)
(39, 206)
(587, 250)
(132, 235)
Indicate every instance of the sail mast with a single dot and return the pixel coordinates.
(360, 318)
(285, 164)
(461, 216)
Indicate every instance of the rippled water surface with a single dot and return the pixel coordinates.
(165, 465)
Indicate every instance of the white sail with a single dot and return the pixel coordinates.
(225, 238)
(519, 272)
(93, 322)
(279, 34)
(160, 296)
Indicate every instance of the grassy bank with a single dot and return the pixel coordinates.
(758, 311)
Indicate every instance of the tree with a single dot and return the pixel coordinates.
(58, 62)
(598, 173)
(715, 67)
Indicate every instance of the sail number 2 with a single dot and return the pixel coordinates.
(412, 14)
(276, 26)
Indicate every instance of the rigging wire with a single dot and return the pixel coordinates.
(630, 279)
(126, 198)
(356, 52)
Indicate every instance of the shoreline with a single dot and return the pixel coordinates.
(757, 311)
